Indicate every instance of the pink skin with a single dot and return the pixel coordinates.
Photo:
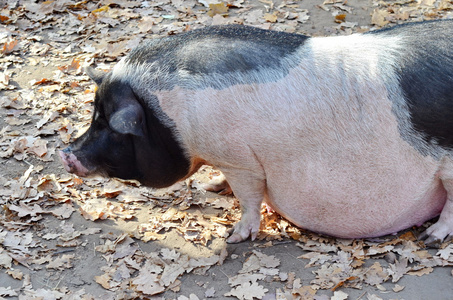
(72, 164)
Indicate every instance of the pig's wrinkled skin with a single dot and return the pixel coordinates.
(348, 136)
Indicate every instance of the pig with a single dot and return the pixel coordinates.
(348, 136)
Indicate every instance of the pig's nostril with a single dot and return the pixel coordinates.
(66, 150)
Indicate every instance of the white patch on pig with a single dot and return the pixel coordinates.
(120, 69)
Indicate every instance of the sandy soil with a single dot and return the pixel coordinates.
(100, 241)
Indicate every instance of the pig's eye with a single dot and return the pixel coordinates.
(99, 119)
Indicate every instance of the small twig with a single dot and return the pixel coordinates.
(224, 274)
(64, 251)
(283, 242)
(289, 254)
(363, 294)
(58, 283)
(30, 164)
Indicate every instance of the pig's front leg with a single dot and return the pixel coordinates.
(249, 190)
(442, 230)
(218, 184)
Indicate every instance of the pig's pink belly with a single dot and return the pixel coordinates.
(356, 217)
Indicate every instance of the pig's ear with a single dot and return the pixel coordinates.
(95, 75)
(128, 120)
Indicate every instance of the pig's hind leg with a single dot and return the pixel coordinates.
(249, 190)
(442, 230)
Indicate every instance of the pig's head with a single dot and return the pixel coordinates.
(126, 139)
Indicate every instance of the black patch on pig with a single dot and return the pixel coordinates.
(162, 159)
(221, 50)
(154, 157)
(425, 68)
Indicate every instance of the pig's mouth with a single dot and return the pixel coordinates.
(72, 164)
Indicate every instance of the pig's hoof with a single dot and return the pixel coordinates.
(218, 184)
(436, 234)
(242, 231)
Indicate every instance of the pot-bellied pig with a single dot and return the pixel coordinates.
(350, 136)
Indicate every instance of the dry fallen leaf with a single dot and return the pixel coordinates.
(340, 18)
(217, 9)
(421, 272)
(248, 291)
(268, 261)
(24, 210)
(7, 292)
(252, 263)
(16, 274)
(9, 47)
(339, 295)
(210, 293)
(397, 270)
(148, 283)
(379, 17)
(398, 288)
(446, 253)
(61, 262)
(73, 66)
(272, 18)
(304, 292)
(5, 259)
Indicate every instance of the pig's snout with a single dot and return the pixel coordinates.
(71, 163)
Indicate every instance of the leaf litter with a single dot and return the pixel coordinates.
(43, 111)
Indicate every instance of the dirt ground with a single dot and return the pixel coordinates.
(63, 237)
